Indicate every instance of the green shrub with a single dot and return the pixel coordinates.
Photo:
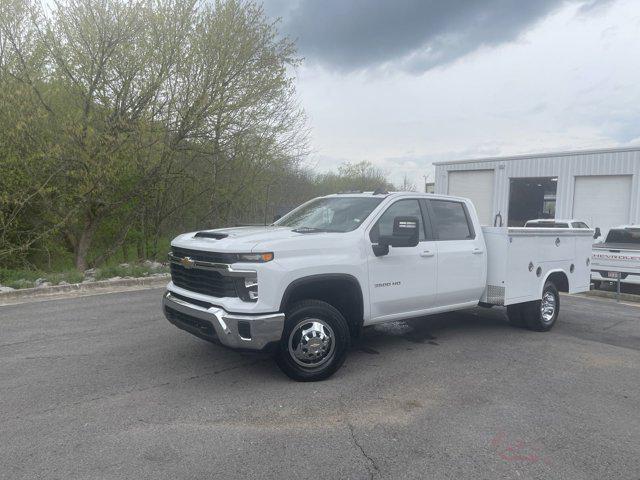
(22, 278)
(130, 271)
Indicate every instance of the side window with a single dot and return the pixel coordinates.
(579, 225)
(402, 208)
(451, 220)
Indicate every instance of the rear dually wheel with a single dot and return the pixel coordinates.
(542, 314)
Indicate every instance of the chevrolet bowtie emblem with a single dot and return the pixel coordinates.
(186, 262)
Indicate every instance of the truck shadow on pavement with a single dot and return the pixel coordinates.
(376, 339)
(427, 330)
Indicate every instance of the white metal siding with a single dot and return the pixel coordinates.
(602, 201)
(477, 185)
(565, 166)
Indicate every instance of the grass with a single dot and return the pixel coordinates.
(20, 278)
(130, 271)
(26, 278)
(57, 265)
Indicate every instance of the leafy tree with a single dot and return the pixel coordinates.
(123, 122)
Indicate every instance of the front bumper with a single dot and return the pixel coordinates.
(245, 332)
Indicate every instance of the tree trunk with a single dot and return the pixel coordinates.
(81, 249)
(145, 237)
(154, 253)
(120, 240)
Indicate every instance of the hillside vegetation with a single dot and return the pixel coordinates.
(123, 123)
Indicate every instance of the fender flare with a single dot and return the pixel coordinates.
(551, 272)
(298, 282)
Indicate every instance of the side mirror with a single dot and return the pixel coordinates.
(277, 217)
(405, 234)
(597, 233)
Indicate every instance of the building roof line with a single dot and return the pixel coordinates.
(540, 155)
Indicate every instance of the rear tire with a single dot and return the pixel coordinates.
(314, 343)
(514, 314)
(541, 315)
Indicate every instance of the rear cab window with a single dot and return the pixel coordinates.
(451, 220)
(549, 224)
(625, 237)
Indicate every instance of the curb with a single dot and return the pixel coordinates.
(628, 297)
(24, 293)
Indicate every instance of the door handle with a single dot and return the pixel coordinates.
(477, 251)
(427, 253)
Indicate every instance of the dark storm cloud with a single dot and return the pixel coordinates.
(415, 35)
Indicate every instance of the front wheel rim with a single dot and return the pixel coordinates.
(548, 307)
(311, 343)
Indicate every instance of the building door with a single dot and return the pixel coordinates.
(602, 200)
(476, 185)
(531, 198)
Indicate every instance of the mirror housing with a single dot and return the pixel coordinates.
(597, 233)
(380, 249)
(405, 234)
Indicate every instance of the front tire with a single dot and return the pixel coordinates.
(314, 343)
(542, 314)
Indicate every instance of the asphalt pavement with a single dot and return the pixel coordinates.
(103, 387)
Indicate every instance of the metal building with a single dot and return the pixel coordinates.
(601, 187)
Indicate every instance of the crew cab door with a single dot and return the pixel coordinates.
(462, 256)
(403, 281)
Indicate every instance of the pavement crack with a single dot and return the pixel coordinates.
(373, 468)
(615, 324)
(14, 343)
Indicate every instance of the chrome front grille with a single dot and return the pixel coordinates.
(213, 257)
(202, 280)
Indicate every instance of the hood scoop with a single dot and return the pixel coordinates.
(214, 235)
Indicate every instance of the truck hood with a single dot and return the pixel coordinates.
(237, 239)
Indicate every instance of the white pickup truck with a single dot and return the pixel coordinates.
(618, 257)
(304, 286)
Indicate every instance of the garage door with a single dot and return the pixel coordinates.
(602, 201)
(476, 185)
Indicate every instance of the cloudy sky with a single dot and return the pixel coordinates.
(404, 83)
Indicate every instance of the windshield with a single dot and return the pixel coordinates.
(330, 214)
(550, 224)
(624, 236)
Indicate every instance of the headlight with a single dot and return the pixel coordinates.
(255, 257)
(247, 288)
